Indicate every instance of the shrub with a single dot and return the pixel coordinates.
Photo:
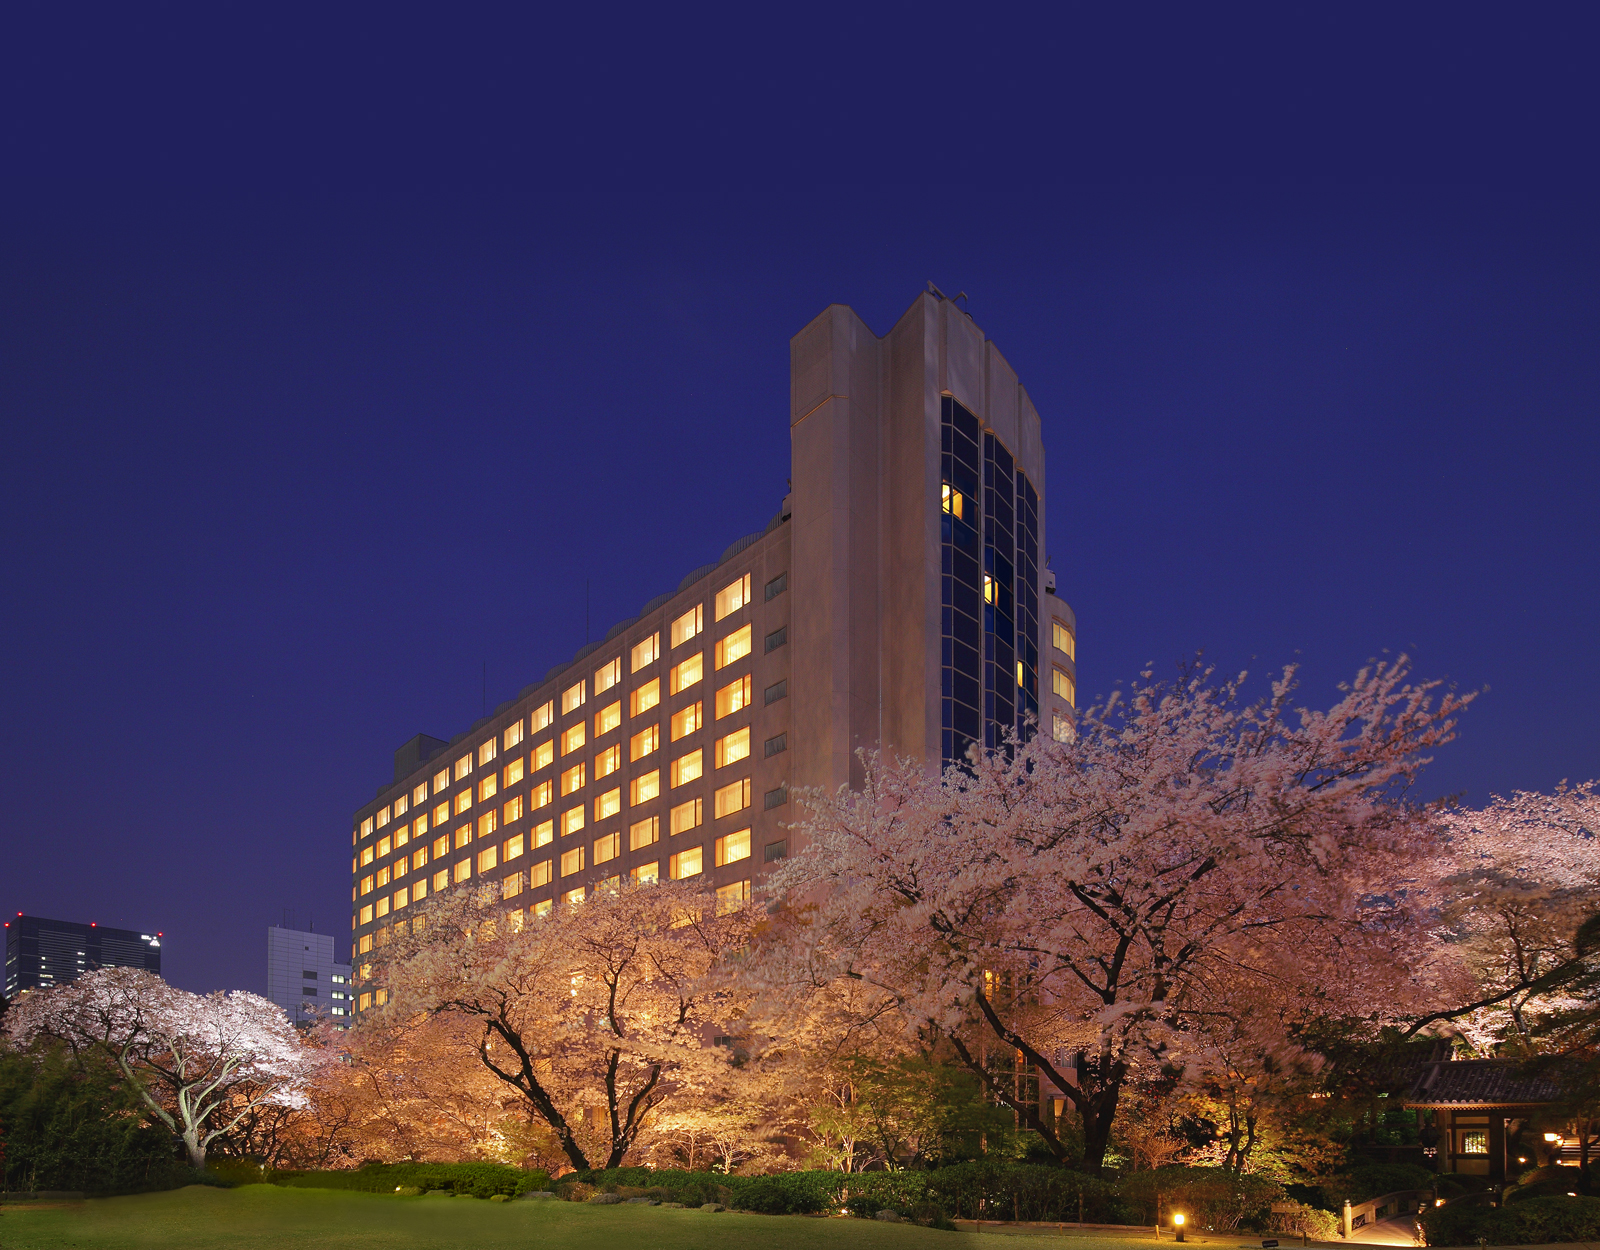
(1211, 1197)
(1532, 1222)
(481, 1180)
(575, 1191)
(1023, 1191)
(784, 1193)
(1373, 1180)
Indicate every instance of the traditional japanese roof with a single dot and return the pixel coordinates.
(1485, 1083)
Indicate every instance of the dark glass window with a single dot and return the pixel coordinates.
(777, 690)
(775, 850)
(777, 585)
(777, 638)
(775, 798)
(774, 745)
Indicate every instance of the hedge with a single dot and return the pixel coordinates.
(1210, 1197)
(481, 1180)
(1534, 1221)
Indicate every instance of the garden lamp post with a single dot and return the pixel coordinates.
(1177, 1224)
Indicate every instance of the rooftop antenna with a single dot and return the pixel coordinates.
(935, 290)
(962, 300)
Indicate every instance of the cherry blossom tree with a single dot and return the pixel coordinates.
(1070, 909)
(597, 1015)
(201, 1064)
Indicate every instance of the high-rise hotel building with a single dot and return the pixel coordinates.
(899, 600)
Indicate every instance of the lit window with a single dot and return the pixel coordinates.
(575, 778)
(366, 914)
(574, 697)
(607, 718)
(1063, 639)
(733, 847)
(487, 751)
(988, 588)
(512, 848)
(543, 754)
(688, 625)
(541, 795)
(440, 880)
(734, 647)
(366, 885)
(646, 874)
(687, 721)
(607, 675)
(643, 833)
(1021, 677)
(366, 999)
(383, 817)
(687, 863)
(1474, 1142)
(401, 805)
(513, 772)
(733, 747)
(572, 861)
(608, 761)
(488, 823)
(488, 858)
(730, 896)
(366, 945)
(608, 804)
(686, 768)
(543, 908)
(684, 817)
(441, 780)
(488, 787)
(366, 855)
(1064, 686)
(441, 814)
(463, 766)
(730, 799)
(686, 674)
(463, 836)
(571, 820)
(463, 870)
(733, 696)
(1061, 730)
(777, 638)
(401, 898)
(419, 890)
(539, 874)
(646, 652)
(644, 742)
(643, 789)
(463, 801)
(950, 500)
(573, 738)
(775, 746)
(777, 586)
(645, 697)
(545, 833)
(441, 847)
(418, 827)
(512, 735)
(733, 597)
(420, 794)
(574, 896)
(512, 810)
(419, 858)
(383, 906)
(607, 848)
(511, 886)
(383, 875)
(400, 867)
(366, 826)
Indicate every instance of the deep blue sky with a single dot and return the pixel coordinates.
(334, 367)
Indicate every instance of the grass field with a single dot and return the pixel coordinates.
(326, 1219)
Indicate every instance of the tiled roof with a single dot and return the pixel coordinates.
(1481, 1083)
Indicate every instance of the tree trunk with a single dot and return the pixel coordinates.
(195, 1147)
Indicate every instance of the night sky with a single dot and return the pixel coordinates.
(352, 377)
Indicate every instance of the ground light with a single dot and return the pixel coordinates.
(1177, 1223)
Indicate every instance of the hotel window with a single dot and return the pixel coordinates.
(687, 721)
(366, 826)
(775, 798)
(1064, 642)
(488, 823)
(419, 858)
(1064, 687)
(574, 778)
(1061, 728)
(734, 647)
(574, 697)
(571, 820)
(512, 848)
(366, 945)
(462, 870)
(441, 780)
(573, 738)
(645, 697)
(733, 747)
(463, 836)
(383, 907)
(512, 735)
(366, 855)
(607, 848)
(420, 794)
(730, 799)
(644, 742)
(733, 597)
(608, 761)
(401, 805)
(401, 898)
(608, 804)
(775, 851)
(440, 880)
(514, 771)
(463, 801)
(543, 755)
(400, 867)
(644, 788)
(646, 874)
(730, 896)
(607, 675)
(511, 886)
(607, 718)
(441, 814)
(684, 817)
(775, 746)
(682, 676)
(463, 766)
(688, 625)
(488, 787)
(732, 847)
(777, 586)
(366, 914)
(512, 810)
(541, 716)
(419, 826)
(488, 859)
(539, 874)
(646, 652)
(419, 891)
(777, 638)
(574, 896)
(734, 696)
(383, 817)
(383, 875)
(366, 885)
(687, 863)
(643, 833)
(572, 861)
(542, 908)
(541, 795)
(441, 847)
(686, 768)
(544, 834)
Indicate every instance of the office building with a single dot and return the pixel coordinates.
(899, 598)
(305, 977)
(41, 953)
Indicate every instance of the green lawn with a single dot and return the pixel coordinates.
(324, 1219)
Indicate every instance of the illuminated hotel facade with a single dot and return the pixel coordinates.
(899, 600)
